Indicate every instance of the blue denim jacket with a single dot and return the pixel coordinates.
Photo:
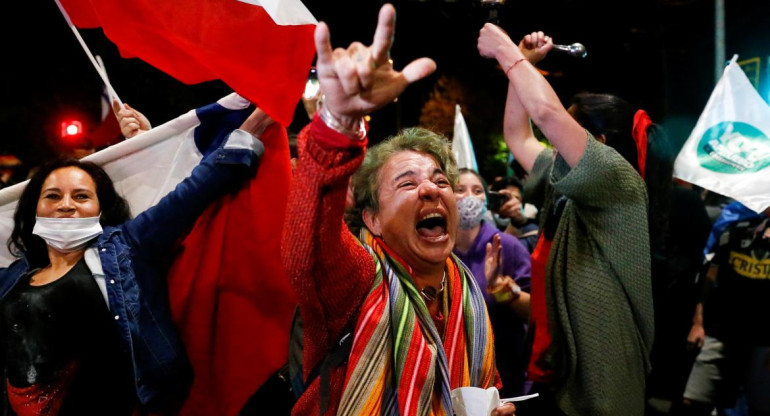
(131, 258)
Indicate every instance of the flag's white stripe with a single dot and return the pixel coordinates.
(286, 12)
(144, 169)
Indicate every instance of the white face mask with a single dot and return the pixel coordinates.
(471, 210)
(67, 234)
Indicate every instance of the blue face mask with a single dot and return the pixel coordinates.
(471, 212)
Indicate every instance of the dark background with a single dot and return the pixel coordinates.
(658, 54)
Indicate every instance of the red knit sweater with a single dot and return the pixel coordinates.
(329, 270)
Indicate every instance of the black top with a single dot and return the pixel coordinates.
(66, 324)
(738, 309)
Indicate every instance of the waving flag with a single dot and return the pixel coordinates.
(265, 59)
(107, 131)
(229, 295)
(728, 151)
(462, 147)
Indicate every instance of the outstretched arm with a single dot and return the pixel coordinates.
(517, 129)
(536, 99)
(153, 231)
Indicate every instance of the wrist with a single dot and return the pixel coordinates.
(353, 127)
(348, 122)
(508, 55)
(505, 293)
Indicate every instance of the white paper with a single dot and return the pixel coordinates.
(475, 401)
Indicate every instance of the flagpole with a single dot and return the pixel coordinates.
(101, 73)
(719, 39)
(109, 90)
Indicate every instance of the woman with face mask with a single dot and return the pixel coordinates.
(501, 266)
(85, 326)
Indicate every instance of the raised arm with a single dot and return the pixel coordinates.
(517, 129)
(153, 231)
(531, 95)
(330, 272)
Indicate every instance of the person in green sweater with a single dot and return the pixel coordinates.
(592, 309)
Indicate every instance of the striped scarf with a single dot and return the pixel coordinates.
(399, 365)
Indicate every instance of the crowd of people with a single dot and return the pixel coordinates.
(615, 293)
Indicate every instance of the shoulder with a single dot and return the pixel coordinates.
(18, 266)
(9, 275)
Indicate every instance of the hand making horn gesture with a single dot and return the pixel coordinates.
(360, 79)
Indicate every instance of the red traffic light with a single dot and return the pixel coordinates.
(71, 129)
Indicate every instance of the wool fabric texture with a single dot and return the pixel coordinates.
(597, 282)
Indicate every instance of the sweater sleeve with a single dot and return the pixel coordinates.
(535, 186)
(601, 179)
(329, 270)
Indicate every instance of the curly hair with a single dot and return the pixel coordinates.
(366, 180)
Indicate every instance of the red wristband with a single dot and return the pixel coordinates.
(514, 64)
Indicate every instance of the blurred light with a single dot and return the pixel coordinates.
(312, 87)
(71, 129)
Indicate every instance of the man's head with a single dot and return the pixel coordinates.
(405, 191)
(513, 189)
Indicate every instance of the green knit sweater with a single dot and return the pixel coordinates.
(598, 290)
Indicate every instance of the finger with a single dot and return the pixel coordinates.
(548, 44)
(383, 36)
(532, 40)
(365, 64)
(323, 45)
(127, 122)
(116, 107)
(498, 249)
(345, 69)
(540, 39)
(418, 69)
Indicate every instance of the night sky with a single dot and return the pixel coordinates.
(659, 55)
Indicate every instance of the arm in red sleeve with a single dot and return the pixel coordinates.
(329, 270)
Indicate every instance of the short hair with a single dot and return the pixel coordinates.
(114, 209)
(505, 182)
(366, 180)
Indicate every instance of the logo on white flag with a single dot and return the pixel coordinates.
(734, 147)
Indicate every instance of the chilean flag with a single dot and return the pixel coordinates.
(261, 49)
(229, 294)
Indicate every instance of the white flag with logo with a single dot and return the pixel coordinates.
(462, 148)
(728, 151)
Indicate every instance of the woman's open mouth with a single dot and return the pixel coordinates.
(432, 226)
